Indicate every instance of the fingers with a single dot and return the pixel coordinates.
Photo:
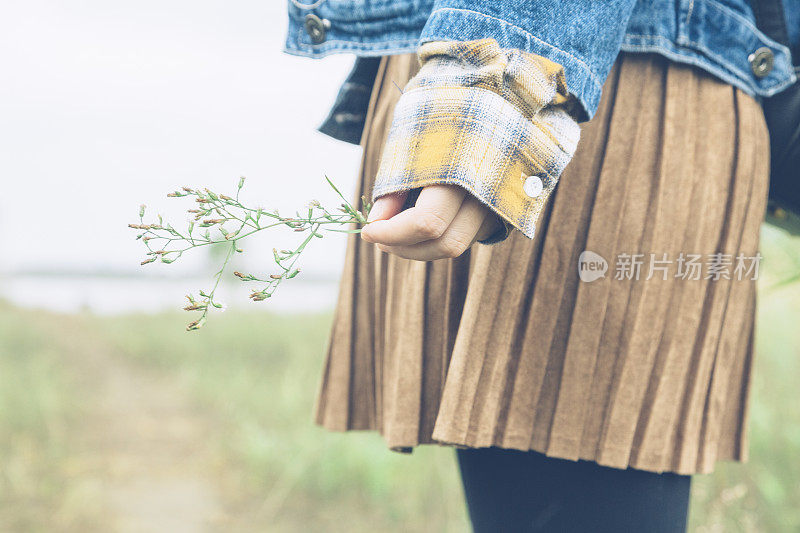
(387, 206)
(432, 214)
(455, 240)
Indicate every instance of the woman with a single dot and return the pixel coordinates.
(562, 338)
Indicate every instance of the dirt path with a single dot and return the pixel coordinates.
(146, 449)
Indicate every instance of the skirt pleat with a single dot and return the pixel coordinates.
(506, 346)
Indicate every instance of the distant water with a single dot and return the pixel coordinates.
(104, 295)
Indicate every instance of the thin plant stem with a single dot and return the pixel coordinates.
(165, 244)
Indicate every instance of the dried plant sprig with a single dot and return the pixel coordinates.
(213, 211)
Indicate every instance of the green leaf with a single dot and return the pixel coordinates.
(337, 191)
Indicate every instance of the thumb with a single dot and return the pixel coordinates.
(387, 206)
(384, 208)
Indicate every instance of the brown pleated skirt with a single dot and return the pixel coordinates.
(506, 346)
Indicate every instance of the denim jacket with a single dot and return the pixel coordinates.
(584, 36)
(502, 83)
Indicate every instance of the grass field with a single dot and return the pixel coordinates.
(237, 400)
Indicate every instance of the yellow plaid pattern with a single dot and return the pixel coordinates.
(484, 118)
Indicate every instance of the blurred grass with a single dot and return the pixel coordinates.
(256, 375)
(764, 493)
(259, 373)
(39, 404)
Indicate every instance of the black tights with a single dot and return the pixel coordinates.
(509, 491)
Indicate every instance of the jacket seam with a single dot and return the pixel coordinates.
(725, 76)
(733, 69)
(313, 5)
(300, 33)
(726, 63)
(588, 69)
(728, 12)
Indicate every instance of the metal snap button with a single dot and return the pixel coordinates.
(316, 28)
(533, 186)
(761, 61)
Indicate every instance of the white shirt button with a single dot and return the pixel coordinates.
(533, 186)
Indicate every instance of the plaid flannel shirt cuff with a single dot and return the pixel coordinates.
(495, 122)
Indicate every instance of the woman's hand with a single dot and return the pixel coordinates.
(443, 223)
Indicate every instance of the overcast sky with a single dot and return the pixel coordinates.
(106, 105)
